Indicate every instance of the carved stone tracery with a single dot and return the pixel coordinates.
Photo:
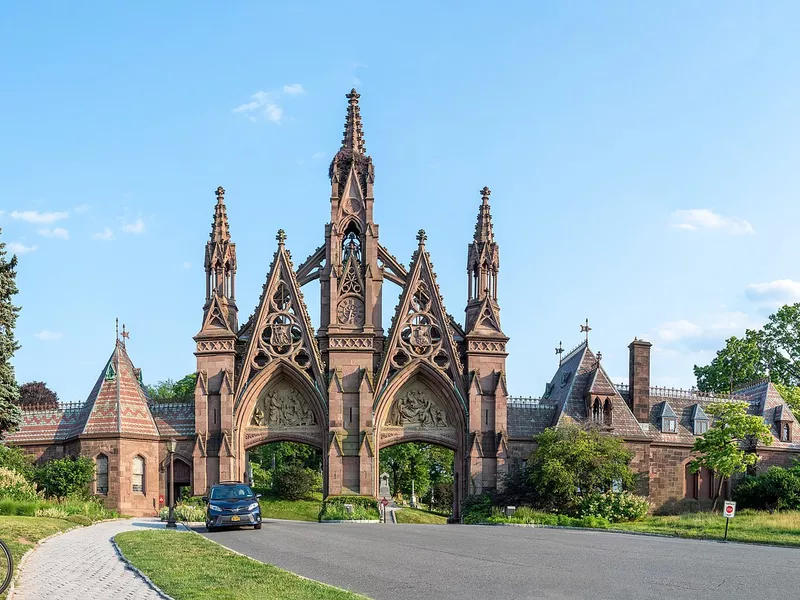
(283, 407)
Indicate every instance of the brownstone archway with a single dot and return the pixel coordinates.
(420, 405)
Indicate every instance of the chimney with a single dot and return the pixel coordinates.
(639, 379)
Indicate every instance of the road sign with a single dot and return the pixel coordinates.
(161, 499)
(730, 509)
(384, 502)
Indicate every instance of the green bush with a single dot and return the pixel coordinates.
(64, 477)
(776, 489)
(79, 519)
(14, 486)
(295, 482)
(476, 508)
(364, 508)
(614, 506)
(262, 478)
(12, 457)
(184, 512)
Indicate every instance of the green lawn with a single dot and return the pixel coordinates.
(413, 515)
(22, 533)
(747, 526)
(273, 507)
(187, 566)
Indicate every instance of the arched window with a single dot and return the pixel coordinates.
(138, 474)
(101, 482)
(596, 410)
(607, 413)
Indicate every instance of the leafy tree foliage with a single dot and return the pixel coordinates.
(36, 393)
(295, 482)
(776, 489)
(13, 458)
(10, 415)
(725, 448)
(287, 453)
(173, 391)
(569, 462)
(64, 477)
(774, 349)
(426, 465)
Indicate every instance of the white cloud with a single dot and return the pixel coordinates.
(774, 293)
(48, 336)
(18, 248)
(106, 235)
(703, 218)
(82, 208)
(187, 265)
(59, 233)
(356, 81)
(136, 227)
(317, 155)
(40, 218)
(293, 89)
(704, 333)
(261, 106)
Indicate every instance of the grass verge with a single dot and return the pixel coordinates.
(273, 507)
(187, 566)
(22, 533)
(422, 517)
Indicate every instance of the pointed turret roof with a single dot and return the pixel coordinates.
(353, 139)
(220, 232)
(118, 403)
(483, 228)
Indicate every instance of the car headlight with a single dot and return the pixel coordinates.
(252, 506)
(214, 508)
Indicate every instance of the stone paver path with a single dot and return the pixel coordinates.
(83, 564)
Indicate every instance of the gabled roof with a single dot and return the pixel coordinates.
(664, 410)
(698, 414)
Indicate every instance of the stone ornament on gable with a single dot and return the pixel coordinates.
(420, 333)
(283, 407)
(417, 408)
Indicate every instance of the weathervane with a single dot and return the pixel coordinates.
(559, 351)
(586, 329)
(125, 335)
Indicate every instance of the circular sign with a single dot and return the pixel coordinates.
(729, 509)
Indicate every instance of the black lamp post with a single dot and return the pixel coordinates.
(171, 450)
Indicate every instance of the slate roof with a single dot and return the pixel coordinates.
(117, 404)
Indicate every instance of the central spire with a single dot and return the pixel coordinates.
(353, 139)
(484, 233)
(220, 232)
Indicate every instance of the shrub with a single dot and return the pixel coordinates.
(65, 477)
(776, 489)
(262, 478)
(614, 506)
(184, 512)
(52, 512)
(364, 508)
(79, 519)
(17, 508)
(476, 508)
(294, 482)
(12, 457)
(14, 486)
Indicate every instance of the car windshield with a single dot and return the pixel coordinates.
(231, 492)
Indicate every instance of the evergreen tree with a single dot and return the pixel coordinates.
(10, 415)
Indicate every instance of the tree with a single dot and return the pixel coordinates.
(10, 414)
(416, 466)
(726, 448)
(790, 395)
(741, 361)
(65, 476)
(173, 391)
(37, 394)
(294, 482)
(569, 462)
(15, 459)
(287, 453)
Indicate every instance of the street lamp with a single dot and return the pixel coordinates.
(171, 450)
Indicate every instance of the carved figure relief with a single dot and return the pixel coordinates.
(417, 407)
(283, 407)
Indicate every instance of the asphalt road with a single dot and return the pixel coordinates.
(443, 562)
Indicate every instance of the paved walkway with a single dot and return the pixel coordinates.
(84, 565)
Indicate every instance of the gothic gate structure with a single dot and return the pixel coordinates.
(353, 387)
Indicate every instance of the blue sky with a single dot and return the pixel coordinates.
(642, 159)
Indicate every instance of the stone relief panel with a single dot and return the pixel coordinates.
(417, 408)
(283, 407)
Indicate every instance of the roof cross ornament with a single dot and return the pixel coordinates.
(421, 237)
(281, 237)
(599, 358)
(586, 329)
(485, 193)
(220, 194)
(560, 352)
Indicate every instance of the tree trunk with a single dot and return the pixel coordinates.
(717, 495)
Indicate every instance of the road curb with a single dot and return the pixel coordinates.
(352, 521)
(139, 573)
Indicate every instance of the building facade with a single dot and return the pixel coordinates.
(358, 384)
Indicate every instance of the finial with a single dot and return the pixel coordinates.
(125, 335)
(485, 193)
(281, 237)
(599, 358)
(117, 327)
(586, 329)
(559, 351)
(220, 194)
(421, 237)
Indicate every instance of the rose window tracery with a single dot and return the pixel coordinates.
(282, 333)
(420, 333)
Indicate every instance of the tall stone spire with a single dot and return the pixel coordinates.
(353, 139)
(483, 265)
(484, 234)
(220, 266)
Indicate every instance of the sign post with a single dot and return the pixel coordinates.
(384, 503)
(728, 511)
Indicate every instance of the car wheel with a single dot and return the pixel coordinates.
(257, 526)
(209, 527)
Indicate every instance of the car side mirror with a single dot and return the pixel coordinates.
(205, 499)
(258, 495)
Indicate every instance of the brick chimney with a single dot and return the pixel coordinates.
(639, 379)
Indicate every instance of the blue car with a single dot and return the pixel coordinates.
(232, 504)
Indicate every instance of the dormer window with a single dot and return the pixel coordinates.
(669, 424)
(700, 426)
(786, 432)
(700, 420)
